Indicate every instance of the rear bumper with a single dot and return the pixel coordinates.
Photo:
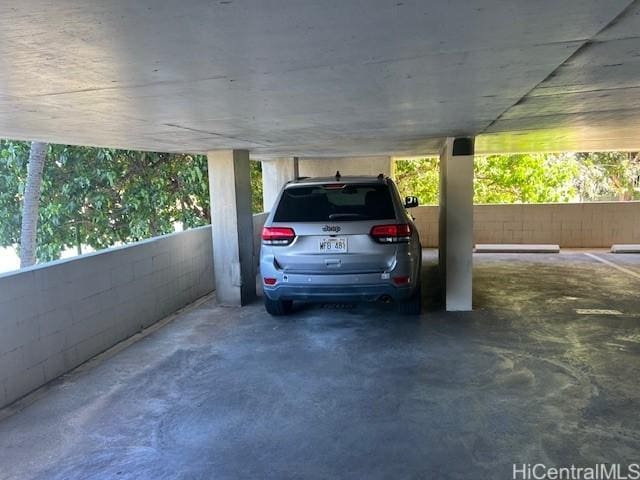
(339, 288)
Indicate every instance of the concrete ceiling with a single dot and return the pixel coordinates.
(322, 78)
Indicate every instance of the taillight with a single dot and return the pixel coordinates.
(277, 235)
(395, 233)
(401, 280)
(270, 281)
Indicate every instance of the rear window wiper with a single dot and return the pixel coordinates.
(335, 216)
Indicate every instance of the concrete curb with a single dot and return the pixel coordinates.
(629, 248)
(517, 248)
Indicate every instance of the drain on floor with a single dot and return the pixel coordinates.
(597, 311)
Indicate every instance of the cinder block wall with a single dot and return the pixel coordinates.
(56, 316)
(570, 225)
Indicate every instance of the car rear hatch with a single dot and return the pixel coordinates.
(332, 226)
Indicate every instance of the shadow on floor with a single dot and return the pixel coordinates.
(342, 392)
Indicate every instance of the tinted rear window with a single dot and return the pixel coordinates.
(322, 204)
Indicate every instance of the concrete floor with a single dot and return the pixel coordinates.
(359, 392)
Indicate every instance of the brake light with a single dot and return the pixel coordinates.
(401, 280)
(394, 233)
(277, 235)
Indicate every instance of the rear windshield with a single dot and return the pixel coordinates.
(320, 203)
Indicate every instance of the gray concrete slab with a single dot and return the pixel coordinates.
(627, 263)
(336, 392)
(628, 260)
(590, 99)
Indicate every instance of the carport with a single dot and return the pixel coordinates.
(357, 392)
(139, 362)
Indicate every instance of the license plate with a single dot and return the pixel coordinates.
(333, 245)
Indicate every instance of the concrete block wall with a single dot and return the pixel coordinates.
(570, 225)
(56, 316)
(427, 220)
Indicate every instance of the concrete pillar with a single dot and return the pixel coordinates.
(456, 222)
(275, 173)
(232, 223)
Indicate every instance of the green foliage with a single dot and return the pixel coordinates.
(104, 197)
(420, 177)
(609, 176)
(533, 178)
(528, 178)
(256, 187)
(13, 174)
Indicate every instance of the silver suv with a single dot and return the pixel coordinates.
(340, 239)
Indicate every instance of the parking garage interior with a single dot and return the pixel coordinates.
(157, 359)
(541, 368)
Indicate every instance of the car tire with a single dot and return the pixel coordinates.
(277, 307)
(413, 305)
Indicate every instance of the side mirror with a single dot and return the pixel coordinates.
(410, 202)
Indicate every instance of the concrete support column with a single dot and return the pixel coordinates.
(232, 223)
(275, 173)
(456, 222)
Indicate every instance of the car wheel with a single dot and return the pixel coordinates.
(413, 305)
(277, 307)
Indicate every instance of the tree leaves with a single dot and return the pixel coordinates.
(525, 178)
(533, 178)
(104, 197)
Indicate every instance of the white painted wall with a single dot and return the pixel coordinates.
(326, 167)
(275, 173)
